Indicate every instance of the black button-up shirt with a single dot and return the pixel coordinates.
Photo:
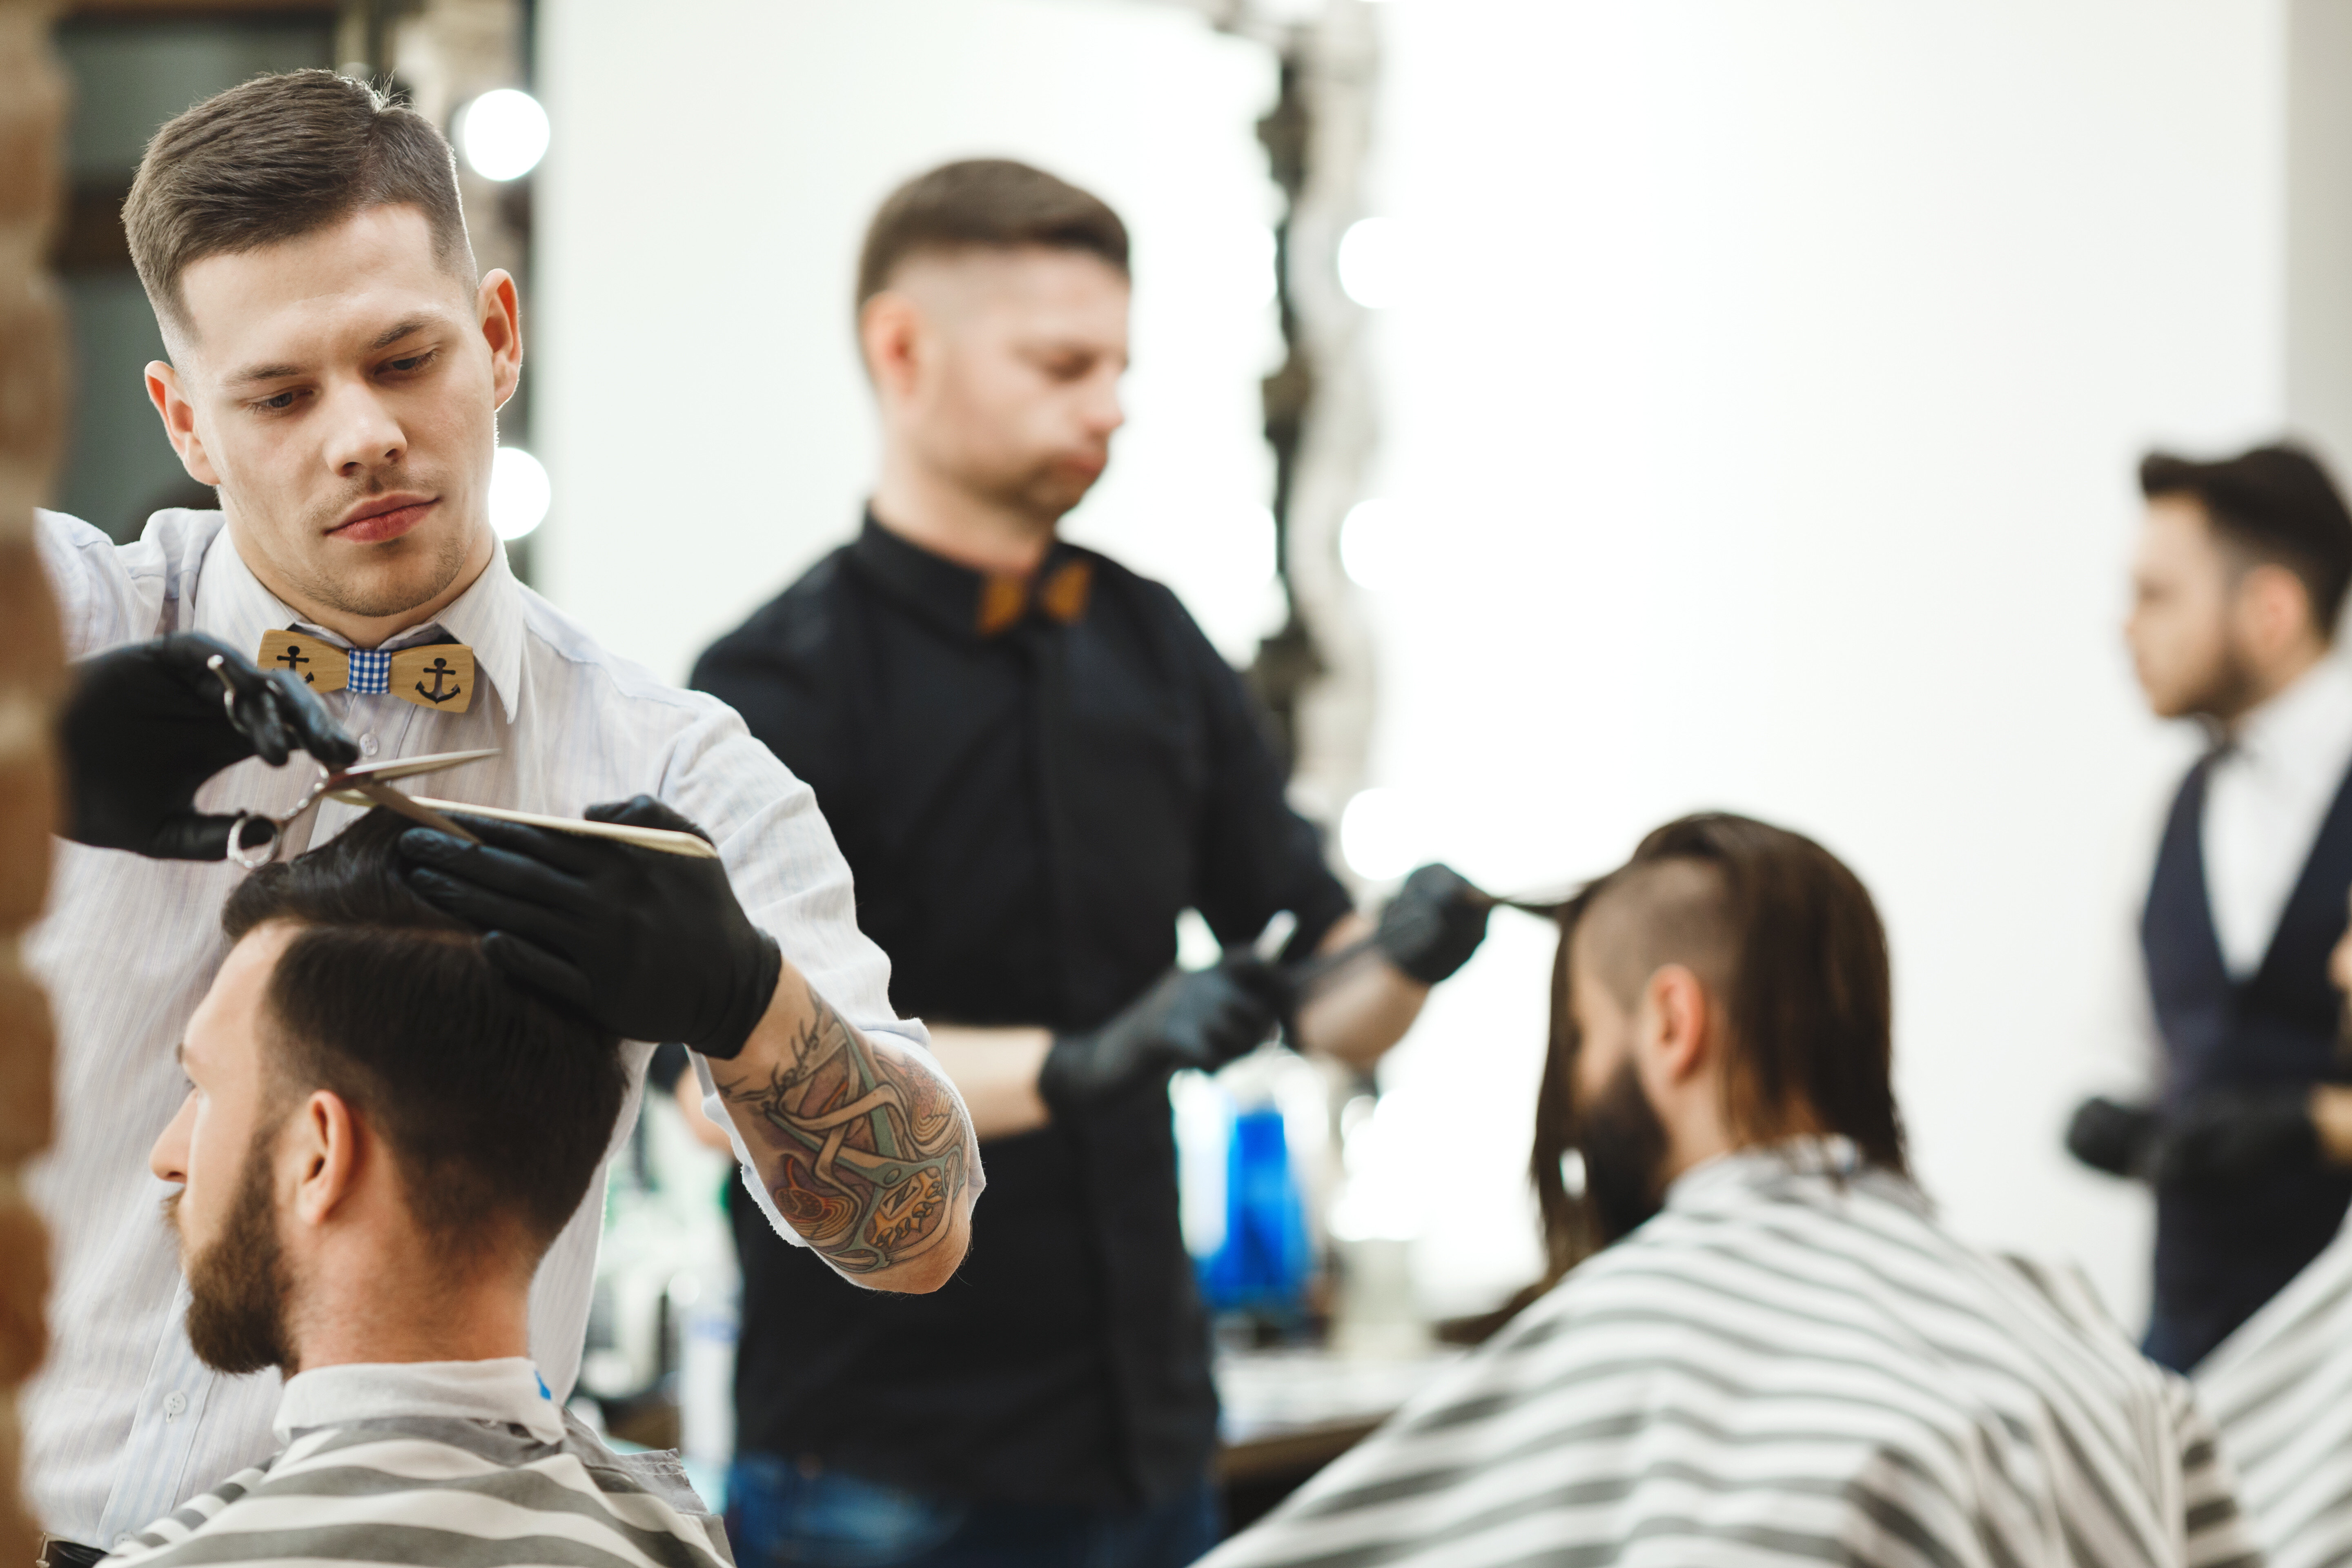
(1030, 786)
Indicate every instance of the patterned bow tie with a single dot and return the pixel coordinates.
(439, 676)
(1060, 594)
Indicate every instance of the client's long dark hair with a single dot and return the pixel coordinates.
(1809, 1003)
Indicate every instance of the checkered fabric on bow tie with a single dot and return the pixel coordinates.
(371, 672)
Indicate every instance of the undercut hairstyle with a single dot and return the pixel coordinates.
(984, 204)
(1789, 944)
(278, 158)
(498, 1107)
(2274, 506)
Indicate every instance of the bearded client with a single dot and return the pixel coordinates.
(1777, 1354)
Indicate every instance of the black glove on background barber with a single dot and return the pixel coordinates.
(645, 944)
(1434, 924)
(2233, 1139)
(1201, 1018)
(2109, 1136)
(147, 725)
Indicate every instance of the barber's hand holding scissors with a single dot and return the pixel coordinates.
(646, 945)
(148, 723)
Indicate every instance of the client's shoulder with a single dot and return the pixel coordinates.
(434, 1489)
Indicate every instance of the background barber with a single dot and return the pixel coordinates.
(1035, 762)
(2240, 576)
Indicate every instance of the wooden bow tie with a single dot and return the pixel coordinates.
(439, 676)
(1005, 599)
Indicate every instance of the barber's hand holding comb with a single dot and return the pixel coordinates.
(649, 946)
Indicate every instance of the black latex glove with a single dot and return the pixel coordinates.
(147, 725)
(2112, 1137)
(1434, 924)
(1204, 1019)
(2231, 1140)
(643, 944)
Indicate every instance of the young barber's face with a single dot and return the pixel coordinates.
(341, 389)
(1015, 390)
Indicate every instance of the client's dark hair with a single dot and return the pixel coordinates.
(1790, 943)
(496, 1106)
(2276, 506)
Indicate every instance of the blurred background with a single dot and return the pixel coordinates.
(1571, 414)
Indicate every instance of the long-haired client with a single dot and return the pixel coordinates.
(1777, 1355)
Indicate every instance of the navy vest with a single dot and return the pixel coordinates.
(2220, 1257)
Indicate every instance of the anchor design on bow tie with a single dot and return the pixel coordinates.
(291, 657)
(438, 670)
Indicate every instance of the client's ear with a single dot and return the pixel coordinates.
(1676, 1013)
(323, 1142)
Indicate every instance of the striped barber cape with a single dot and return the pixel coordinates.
(1791, 1364)
(469, 1464)
(2279, 1391)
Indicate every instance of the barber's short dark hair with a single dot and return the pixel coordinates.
(278, 158)
(984, 204)
(1789, 940)
(498, 1107)
(2274, 505)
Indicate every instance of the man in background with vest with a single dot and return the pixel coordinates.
(2241, 569)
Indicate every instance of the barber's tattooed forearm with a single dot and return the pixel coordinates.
(865, 1155)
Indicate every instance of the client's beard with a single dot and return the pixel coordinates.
(238, 1286)
(1624, 1147)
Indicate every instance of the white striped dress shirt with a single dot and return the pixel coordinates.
(122, 1423)
(1791, 1366)
(459, 1462)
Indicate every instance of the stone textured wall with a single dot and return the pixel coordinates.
(31, 396)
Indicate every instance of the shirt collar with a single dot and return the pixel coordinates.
(234, 606)
(950, 595)
(507, 1391)
(2309, 720)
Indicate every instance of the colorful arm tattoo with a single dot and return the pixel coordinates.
(863, 1154)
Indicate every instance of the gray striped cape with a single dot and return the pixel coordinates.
(443, 1490)
(1792, 1365)
(2280, 1390)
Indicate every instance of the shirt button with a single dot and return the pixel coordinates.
(368, 745)
(175, 1405)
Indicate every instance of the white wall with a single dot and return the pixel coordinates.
(712, 171)
(1770, 408)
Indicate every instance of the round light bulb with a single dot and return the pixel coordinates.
(1375, 263)
(1380, 834)
(519, 492)
(1373, 546)
(504, 134)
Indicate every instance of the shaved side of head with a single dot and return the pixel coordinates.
(1654, 913)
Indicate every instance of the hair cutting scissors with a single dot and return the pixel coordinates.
(363, 783)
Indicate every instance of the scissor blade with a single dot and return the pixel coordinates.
(392, 799)
(406, 767)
